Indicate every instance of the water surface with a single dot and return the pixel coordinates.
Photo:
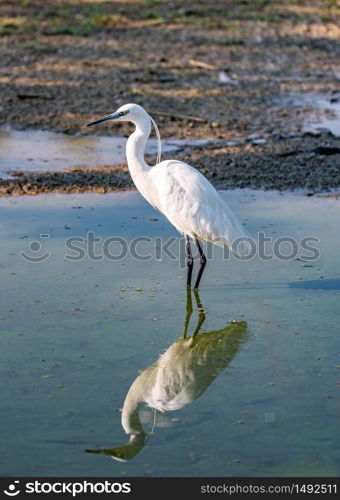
(326, 115)
(40, 150)
(75, 334)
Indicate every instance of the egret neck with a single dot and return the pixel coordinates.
(135, 149)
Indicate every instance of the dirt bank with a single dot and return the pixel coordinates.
(282, 164)
(227, 70)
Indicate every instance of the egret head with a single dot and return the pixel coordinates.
(127, 113)
(136, 114)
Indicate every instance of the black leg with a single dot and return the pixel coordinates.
(190, 260)
(203, 262)
(188, 314)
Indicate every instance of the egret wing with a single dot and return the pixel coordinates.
(193, 205)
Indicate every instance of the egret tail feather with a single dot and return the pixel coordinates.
(236, 235)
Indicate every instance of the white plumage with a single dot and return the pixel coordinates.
(179, 191)
(192, 204)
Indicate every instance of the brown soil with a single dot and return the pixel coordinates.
(65, 63)
(282, 164)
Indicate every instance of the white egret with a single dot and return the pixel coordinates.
(186, 198)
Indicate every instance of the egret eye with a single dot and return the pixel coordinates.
(123, 113)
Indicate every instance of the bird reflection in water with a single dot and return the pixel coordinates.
(180, 375)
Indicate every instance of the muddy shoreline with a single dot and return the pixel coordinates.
(311, 163)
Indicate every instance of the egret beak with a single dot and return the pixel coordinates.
(113, 116)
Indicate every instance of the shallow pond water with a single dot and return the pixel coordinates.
(41, 150)
(332, 121)
(260, 400)
(326, 114)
